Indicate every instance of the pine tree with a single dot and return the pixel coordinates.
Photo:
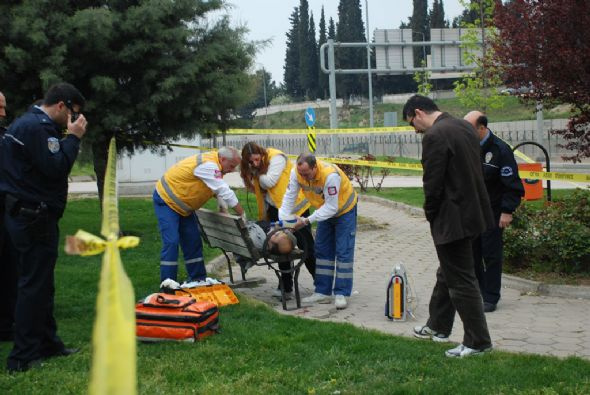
(322, 77)
(350, 28)
(314, 60)
(291, 68)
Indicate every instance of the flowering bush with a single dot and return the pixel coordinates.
(555, 238)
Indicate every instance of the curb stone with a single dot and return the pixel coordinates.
(513, 282)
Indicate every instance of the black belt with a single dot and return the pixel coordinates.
(15, 206)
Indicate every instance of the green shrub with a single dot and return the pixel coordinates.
(554, 238)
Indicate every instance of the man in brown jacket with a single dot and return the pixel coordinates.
(458, 208)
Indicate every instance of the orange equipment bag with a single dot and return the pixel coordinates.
(169, 317)
(220, 294)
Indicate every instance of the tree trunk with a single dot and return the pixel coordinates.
(100, 154)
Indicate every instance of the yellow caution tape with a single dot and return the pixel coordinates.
(370, 163)
(388, 129)
(533, 175)
(553, 176)
(114, 359)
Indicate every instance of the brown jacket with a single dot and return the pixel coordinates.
(456, 201)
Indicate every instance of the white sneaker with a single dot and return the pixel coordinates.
(277, 294)
(463, 351)
(340, 302)
(317, 298)
(424, 332)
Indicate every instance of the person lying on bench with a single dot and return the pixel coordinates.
(280, 242)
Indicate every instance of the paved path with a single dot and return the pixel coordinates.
(523, 323)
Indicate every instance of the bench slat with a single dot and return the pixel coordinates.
(217, 218)
(207, 226)
(227, 246)
(224, 235)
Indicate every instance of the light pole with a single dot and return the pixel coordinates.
(369, 68)
(423, 46)
(264, 92)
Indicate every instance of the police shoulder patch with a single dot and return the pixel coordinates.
(506, 171)
(332, 191)
(53, 145)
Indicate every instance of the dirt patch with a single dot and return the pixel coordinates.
(553, 278)
(365, 224)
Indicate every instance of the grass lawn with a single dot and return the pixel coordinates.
(414, 196)
(261, 351)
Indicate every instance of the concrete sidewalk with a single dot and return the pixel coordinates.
(524, 322)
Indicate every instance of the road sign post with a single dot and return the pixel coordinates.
(310, 121)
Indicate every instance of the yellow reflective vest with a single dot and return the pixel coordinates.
(181, 190)
(277, 192)
(314, 190)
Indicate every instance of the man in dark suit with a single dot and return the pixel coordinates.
(458, 208)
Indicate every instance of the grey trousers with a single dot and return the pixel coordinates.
(456, 289)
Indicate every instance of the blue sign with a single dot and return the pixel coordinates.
(310, 117)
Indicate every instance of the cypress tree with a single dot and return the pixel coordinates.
(420, 30)
(291, 68)
(331, 29)
(350, 29)
(437, 15)
(304, 49)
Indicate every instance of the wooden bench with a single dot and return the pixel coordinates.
(230, 234)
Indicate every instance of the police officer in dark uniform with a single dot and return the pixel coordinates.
(37, 161)
(505, 190)
(7, 262)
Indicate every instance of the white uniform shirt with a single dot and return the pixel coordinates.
(210, 174)
(329, 208)
(275, 169)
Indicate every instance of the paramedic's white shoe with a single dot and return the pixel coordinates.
(463, 351)
(340, 302)
(317, 298)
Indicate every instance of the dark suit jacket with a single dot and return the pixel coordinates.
(456, 201)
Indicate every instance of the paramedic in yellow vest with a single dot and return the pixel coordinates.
(266, 172)
(184, 188)
(331, 193)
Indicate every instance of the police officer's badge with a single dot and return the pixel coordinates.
(53, 145)
(489, 156)
(506, 171)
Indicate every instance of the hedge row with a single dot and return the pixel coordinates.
(554, 238)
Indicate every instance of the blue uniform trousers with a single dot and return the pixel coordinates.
(176, 229)
(8, 266)
(334, 252)
(35, 329)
